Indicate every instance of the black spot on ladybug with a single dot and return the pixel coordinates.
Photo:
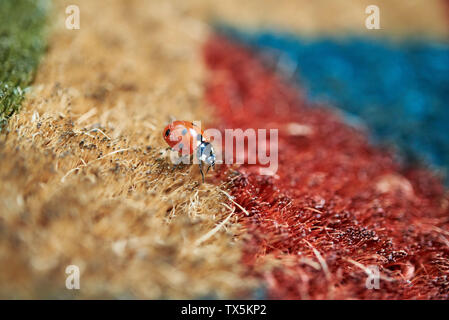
(167, 132)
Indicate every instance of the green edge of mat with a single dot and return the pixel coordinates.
(22, 43)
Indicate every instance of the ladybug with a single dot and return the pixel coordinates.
(185, 136)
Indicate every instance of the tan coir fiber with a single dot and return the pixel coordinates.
(84, 175)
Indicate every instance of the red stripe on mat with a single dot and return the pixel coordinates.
(336, 205)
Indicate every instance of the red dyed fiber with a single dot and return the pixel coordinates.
(336, 203)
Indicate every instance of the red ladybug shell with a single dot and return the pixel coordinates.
(181, 135)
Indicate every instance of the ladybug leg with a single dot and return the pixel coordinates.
(175, 166)
(201, 170)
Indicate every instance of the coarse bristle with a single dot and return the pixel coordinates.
(336, 204)
(85, 179)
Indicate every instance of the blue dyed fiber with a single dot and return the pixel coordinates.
(399, 90)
